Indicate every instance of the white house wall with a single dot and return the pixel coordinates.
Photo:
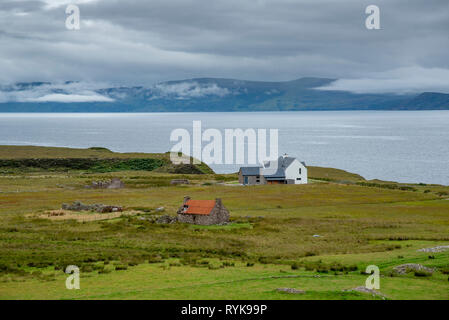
(292, 172)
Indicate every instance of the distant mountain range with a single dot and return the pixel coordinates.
(206, 94)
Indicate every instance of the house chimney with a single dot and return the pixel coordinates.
(186, 198)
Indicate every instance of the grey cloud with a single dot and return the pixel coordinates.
(145, 42)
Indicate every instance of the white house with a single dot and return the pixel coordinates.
(284, 170)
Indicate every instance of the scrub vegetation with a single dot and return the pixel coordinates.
(318, 237)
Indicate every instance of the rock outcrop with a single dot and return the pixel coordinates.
(166, 219)
(290, 290)
(410, 267)
(100, 208)
(435, 249)
(179, 181)
(115, 183)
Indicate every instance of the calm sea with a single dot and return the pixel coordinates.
(405, 146)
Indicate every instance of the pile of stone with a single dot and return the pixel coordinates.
(409, 267)
(179, 181)
(435, 249)
(115, 183)
(290, 290)
(366, 290)
(166, 219)
(100, 208)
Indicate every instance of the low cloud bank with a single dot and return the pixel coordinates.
(45, 92)
(399, 81)
(67, 98)
(185, 90)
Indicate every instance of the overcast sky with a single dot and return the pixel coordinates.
(149, 41)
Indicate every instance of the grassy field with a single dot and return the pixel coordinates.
(271, 243)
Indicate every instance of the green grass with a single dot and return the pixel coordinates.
(178, 281)
(25, 159)
(230, 226)
(272, 229)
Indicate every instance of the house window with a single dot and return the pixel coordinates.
(299, 170)
(298, 179)
(245, 180)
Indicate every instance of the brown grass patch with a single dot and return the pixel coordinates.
(83, 216)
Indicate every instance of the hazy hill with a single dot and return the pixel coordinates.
(428, 100)
(211, 94)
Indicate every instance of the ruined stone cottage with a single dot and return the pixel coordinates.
(203, 212)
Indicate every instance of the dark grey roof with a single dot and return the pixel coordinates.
(282, 163)
(250, 171)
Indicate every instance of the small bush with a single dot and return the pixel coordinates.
(203, 262)
(228, 264)
(86, 268)
(295, 266)
(155, 259)
(309, 267)
(213, 267)
(352, 267)
(121, 267)
(445, 270)
(249, 264)
(97, 267)
(422, 274)
(265, 260)
(102, 271)
(310, 254)
(322, 269)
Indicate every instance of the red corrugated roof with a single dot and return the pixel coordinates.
(200, 206)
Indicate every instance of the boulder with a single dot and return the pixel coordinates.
(409, 267)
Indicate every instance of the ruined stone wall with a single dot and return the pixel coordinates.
(185, 218)
(218, 215)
